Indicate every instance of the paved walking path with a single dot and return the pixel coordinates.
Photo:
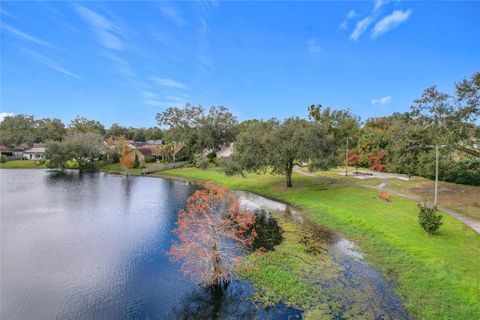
(471, 222)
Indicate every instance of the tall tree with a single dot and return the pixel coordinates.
(278, 147)
(217, 128)
(198, 130)
(18, 129)
(213, 232)
(50, 130)
(84, 148)
(116, 130)
(82, 124)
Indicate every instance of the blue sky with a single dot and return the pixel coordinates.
(125, 61)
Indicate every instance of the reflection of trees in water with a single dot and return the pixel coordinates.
(57, 176)
(232, 302)
(269, 233)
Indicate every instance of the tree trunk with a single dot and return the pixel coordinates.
(288, 175)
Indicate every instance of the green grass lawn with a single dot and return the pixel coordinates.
(437, 276)
(116, 168)
(21, 164)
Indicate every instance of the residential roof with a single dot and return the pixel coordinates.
(148, 149)
(35, 150)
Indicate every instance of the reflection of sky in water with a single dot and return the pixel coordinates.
(347, 286)
(89, 246)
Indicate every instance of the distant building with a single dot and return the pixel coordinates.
(36, 152)
(12, 153)
(150, 150)
(225, 152)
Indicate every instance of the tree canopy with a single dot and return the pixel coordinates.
(278, 146)
(197, 129)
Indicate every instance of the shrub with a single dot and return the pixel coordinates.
(202, 163)
(3, 158)
(211, 156)
(150, 159)
(136, 162)
(429, 218)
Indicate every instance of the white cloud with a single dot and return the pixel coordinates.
(24, 37)
(172, 14)
(5, 114)
(360, 28)
(350, 15)
(108, 33)
(49, 62)
(379, 4)
(381, 101)
(313, 46)
(166, 82)
(391, 21)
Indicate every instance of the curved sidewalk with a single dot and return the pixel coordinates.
(470, 222)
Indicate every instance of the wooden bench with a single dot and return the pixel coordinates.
(385, 196)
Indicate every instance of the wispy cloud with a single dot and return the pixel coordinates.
(172, 14)
(121, 66)
(48, 62)
(313, 46)
(350, 15)
(360, 28)
(390, 22)
(108, 33)
(207, 63)
(5, 114)
(26, 38)
(153, 99)
(166, 82)
(381, 101)
(379, 4)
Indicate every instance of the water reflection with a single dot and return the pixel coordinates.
(345, 285)
(269, 233)
(88, 246)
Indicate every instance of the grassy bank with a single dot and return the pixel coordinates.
(438, 276)
(21, 164)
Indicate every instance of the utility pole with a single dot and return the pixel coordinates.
(436, 174)
(346, 159)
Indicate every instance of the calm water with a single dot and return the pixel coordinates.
(89, 247)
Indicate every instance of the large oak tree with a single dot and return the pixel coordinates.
(277, 147)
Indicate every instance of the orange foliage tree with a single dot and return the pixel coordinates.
(127, 161)
(213, 234)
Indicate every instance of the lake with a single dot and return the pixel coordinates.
(89, 246)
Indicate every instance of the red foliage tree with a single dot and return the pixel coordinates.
(354, 160)
(377, 161)
(127, 160)
(213, 233)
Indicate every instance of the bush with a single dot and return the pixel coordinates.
(136, 162)
(150, 159)
(3, 158)
(202, 163)
(429, 218)
(211, 156)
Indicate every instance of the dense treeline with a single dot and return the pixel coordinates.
(26, 129)
(402, 142)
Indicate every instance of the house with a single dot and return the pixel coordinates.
(179, 152)
(225, 152)
(36, 152)
(150, 150)
(14, 153)
(154, 142)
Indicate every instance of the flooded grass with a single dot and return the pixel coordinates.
(314, 268)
